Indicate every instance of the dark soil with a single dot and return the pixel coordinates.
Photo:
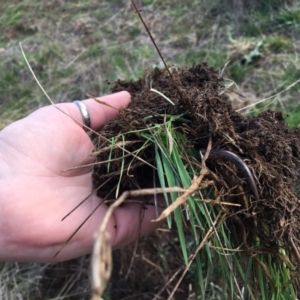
(156, 259)
(269, 148)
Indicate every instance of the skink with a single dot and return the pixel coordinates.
(216, 154)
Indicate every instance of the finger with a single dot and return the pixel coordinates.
(127, 224)
(100, 113)
(132, 222)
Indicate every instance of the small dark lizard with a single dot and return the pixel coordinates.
(216, 154)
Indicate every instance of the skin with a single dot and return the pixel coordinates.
(35, 194)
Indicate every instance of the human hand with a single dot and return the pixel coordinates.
(35, 193)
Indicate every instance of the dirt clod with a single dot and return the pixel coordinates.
(269, 148)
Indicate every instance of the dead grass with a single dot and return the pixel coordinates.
(68, 280)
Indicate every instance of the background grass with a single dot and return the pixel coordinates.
(75, 47)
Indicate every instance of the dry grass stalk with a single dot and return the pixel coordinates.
(101, 263)
(183, 198)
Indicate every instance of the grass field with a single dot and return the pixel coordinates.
(75, 47)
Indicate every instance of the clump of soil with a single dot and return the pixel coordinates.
(269, 148)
